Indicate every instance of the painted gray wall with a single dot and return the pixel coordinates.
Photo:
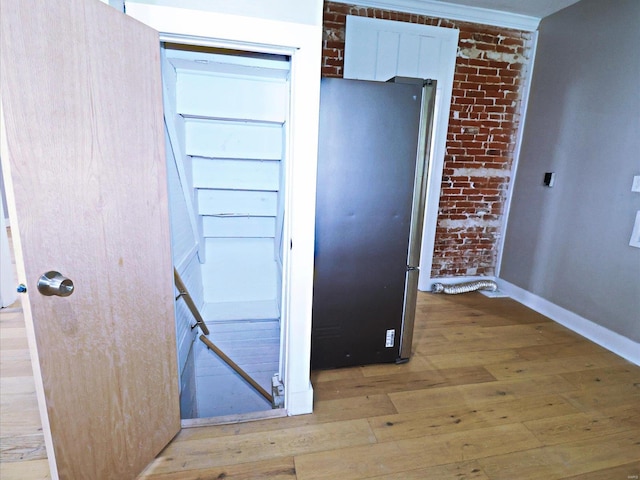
(569, 244)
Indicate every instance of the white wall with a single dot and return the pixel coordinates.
(296, 11)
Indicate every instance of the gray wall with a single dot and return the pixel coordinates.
(569, 244)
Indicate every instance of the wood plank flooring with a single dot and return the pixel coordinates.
(22, 451)
(493, 391)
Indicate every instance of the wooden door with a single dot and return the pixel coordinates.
(85, 171)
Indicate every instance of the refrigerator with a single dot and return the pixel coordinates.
(373, 156)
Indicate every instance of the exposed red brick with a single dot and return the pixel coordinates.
(488, 82)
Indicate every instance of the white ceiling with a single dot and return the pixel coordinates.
(532, 8)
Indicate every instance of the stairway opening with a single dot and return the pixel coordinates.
(226, 136)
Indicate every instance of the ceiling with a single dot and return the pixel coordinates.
(532, 8)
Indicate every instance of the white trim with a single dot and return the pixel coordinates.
(464, 13)
(304, 44)
(524, 105)
(300, 402)
(612, 341)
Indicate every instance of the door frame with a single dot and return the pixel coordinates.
(303, 44)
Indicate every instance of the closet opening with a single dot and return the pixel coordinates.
(226, 120)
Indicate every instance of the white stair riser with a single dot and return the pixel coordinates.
(237, 203)
(231, 314)
(231, 97)
(233, 227)
(226, 139)
(236, 174)
(239, 269)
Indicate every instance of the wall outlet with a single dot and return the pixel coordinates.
(391, 336)
(635, 186)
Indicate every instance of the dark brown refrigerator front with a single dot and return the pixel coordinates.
(370, 200)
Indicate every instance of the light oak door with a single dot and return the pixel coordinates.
(83, 150)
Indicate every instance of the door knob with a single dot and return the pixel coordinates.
(53, 283)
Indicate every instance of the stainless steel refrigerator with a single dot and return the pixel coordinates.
(372, 164)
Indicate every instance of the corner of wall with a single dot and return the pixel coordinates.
(612, 341)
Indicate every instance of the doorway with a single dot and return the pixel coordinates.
(226, 119)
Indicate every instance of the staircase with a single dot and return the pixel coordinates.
(230, 119)
(234, 116)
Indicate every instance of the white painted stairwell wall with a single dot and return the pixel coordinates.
(229, 113)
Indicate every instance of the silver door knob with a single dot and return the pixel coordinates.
(53, 283)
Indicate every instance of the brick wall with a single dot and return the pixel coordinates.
(489, 77)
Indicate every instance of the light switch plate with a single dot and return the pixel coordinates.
(635, 187)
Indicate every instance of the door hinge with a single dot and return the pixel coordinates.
(277, 391)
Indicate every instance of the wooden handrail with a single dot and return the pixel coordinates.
(182, 290)
(237, 368)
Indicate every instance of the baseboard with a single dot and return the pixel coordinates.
(612, 341)
(300, 403)
(233, 419)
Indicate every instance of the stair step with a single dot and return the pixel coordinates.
(237, 203)
(236, 312)
(233, 227)
(230, 139)
(236, 174)
(267, 67)
(231, 96)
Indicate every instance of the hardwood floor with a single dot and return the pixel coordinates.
(22, 452)
(493, 391)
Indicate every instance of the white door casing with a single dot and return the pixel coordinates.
(382, 49)
(303, 44)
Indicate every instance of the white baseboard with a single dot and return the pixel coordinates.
(612, 341)
(300, 403)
